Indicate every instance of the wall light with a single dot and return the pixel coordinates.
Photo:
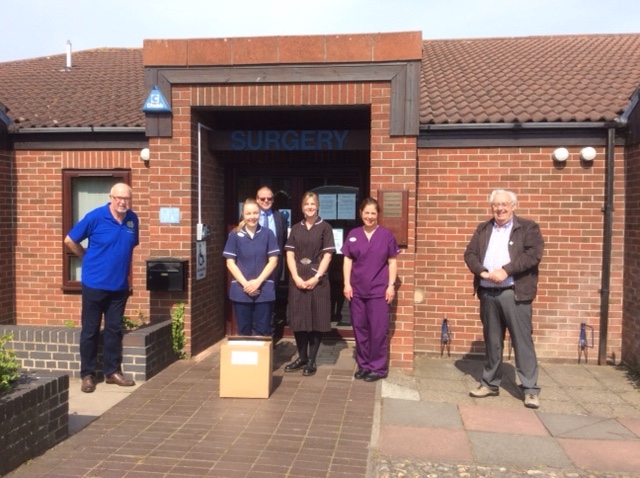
(145, 154)
(587, 154)
(560, 154)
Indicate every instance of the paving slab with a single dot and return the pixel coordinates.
(84, 408)
(498, 420)
(587, 427)
(418, 413)
(603, 455)
(517, 450)
(632, 424)
(437, 444)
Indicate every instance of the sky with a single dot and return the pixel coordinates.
(34, 28)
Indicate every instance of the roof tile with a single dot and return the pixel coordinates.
(103, 88)
(548, 78)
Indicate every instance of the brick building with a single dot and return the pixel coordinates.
(429, 127)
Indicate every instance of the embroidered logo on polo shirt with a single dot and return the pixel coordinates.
(130, 224)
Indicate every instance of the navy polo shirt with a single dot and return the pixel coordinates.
(107, 260)
(251, 256)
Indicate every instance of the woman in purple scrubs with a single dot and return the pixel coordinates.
(370, 271)
(252, 254)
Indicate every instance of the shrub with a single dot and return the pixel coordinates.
(130, 324)
(177, 330)
(9, 366)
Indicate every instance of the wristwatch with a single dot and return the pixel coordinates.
(318, 276)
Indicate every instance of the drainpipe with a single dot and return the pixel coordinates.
(622, 121)
(200, 127)
(606, 246)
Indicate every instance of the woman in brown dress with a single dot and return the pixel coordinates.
(309, 250)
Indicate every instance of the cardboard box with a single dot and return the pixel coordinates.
(246, 367)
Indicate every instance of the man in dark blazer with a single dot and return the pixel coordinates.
(503, 255)
(277, 222)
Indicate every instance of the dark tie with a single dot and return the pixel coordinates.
(265, 220)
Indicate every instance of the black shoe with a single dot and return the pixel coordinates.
(297, 364)
(310, 369)
(372, 377)
(360, 373)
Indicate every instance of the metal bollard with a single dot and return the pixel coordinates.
(445, 338)
(583, 343)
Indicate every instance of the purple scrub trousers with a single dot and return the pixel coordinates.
(370, 321)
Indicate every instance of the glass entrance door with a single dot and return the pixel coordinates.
(340, 190)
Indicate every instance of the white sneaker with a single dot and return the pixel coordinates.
(531, 401)
(483, 391)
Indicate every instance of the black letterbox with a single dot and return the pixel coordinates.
(167, 274)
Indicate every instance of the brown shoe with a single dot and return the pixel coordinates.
(88, 384)
(118, 379)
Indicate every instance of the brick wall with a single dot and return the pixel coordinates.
(565, 199)
(388, 156)
(33, 418)
(38, 233)
(146, 351)
(7, 238)
(207, 321)
(393, 167)
(631, 323)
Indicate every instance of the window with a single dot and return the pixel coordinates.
(82, 191)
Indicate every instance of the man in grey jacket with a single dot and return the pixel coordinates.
(503, 255)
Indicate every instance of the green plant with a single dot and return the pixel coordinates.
(178, 337)
(129, 324)
(70, 324)
(9, 366)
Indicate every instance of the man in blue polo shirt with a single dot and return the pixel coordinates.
(112, 231)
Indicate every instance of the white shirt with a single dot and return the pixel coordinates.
(498, 253)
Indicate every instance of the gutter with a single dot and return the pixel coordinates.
(82, 129)
(518, 126)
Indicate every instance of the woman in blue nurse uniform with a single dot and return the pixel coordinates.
(252, 254)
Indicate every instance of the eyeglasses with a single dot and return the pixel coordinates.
(121, 198)
(269, 199)
(497, 205)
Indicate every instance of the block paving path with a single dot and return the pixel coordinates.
(417, 423)
(175, 425)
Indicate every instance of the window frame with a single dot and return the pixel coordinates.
(68, 175)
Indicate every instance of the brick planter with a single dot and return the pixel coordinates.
(146, 351)
(33, 418)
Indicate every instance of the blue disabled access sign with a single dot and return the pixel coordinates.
(156, 102)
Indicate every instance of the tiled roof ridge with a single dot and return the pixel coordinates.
(525, 37)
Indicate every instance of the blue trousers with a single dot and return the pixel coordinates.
(95, 304)
(253, 318)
